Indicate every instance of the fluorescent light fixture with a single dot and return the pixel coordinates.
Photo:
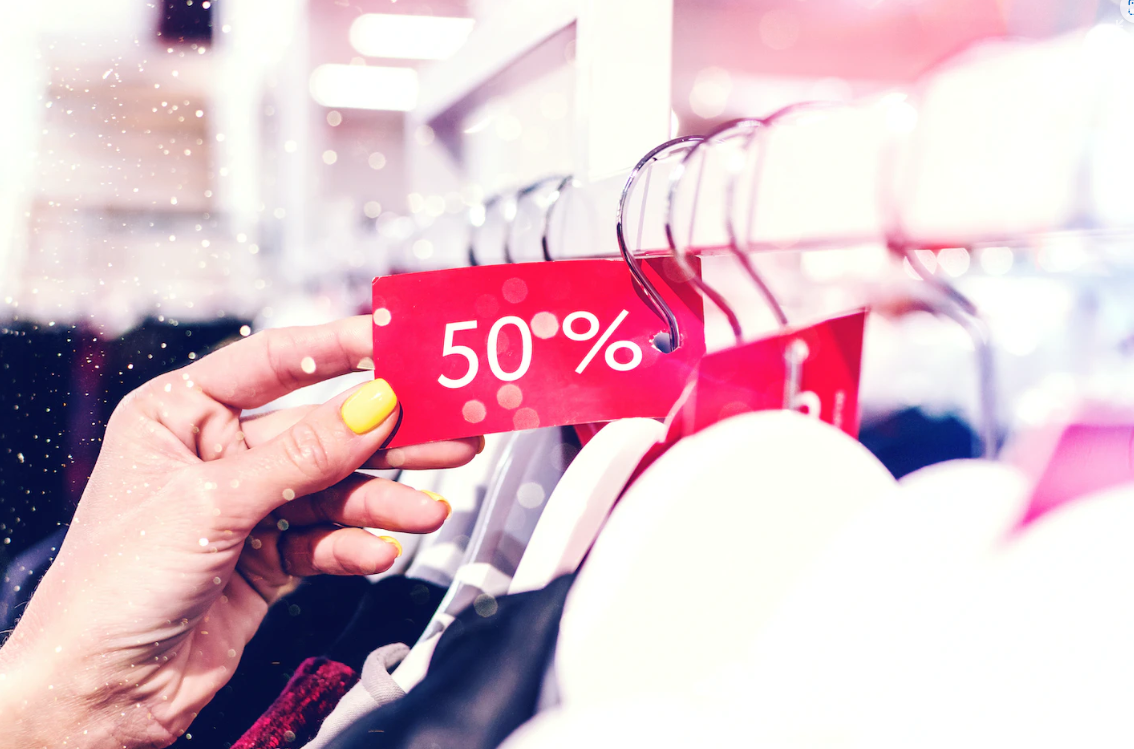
(409, 37)
(364, 87)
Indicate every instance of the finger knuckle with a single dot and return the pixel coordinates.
(139, 398)
(295, 552)
(307, 450)
(279, 348)
(343, 557)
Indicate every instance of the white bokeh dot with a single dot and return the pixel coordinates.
(530, 495)
(545, 325)
(474, 412)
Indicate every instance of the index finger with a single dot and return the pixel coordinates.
(273, 363)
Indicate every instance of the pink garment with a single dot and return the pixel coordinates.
(1087, 458)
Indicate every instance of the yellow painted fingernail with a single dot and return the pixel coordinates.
(442, 500)
(480, 447)
(369, 407)
(393, 542)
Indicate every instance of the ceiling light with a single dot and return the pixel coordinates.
(364, 87)
(409, 37)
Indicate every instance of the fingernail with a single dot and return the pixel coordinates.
(480, 447)
(393, 542)
(369, 407)
(442, 500)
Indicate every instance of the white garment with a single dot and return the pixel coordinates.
(581, 501)
(704, 546)
(853, 639)
(930, 623)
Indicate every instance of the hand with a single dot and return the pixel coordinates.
(193, 523)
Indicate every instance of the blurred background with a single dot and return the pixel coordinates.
(177, 174)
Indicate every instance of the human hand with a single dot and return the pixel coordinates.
(194, 522)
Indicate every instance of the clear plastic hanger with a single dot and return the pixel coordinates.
(529, 468)
(440, 554)
(585, 494)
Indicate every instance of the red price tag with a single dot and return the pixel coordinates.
(827, 359)
(507, 347)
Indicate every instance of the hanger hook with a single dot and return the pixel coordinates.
(522, 195)
(478, 225)
(771, 120)
(743, 247)
(741, 251)
(720, 134)
(653, 298)
(512, 203)
(545, 242)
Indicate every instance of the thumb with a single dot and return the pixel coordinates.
(320, 450)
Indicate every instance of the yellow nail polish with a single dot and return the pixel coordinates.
(442, 500)
(369, 407)
(393, 542)
(480, 447)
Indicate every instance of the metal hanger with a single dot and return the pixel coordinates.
(741, 248)
(507, 207)
(478, 217)
(796, 352)
(552, 203)
(668, 340)
(721, 134)
(528, 194)
(952, 304)
(502, 205)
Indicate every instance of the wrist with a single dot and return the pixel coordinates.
(35, 714)
(39, 702)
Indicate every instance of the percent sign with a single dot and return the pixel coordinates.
(591, 331)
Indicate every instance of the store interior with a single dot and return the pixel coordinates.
(177, 175)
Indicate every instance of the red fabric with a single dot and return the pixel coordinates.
(295, 716)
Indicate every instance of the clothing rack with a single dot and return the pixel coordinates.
(915, 167)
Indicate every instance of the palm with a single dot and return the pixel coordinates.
(205, 606)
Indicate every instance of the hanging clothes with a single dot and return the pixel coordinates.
(304, 624)
(374, 689)
(910, 439)
(294, 716)
(37, 381)
(392, 611)
(483, 682)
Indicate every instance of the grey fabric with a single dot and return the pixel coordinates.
(376, 679)
(374, 689)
